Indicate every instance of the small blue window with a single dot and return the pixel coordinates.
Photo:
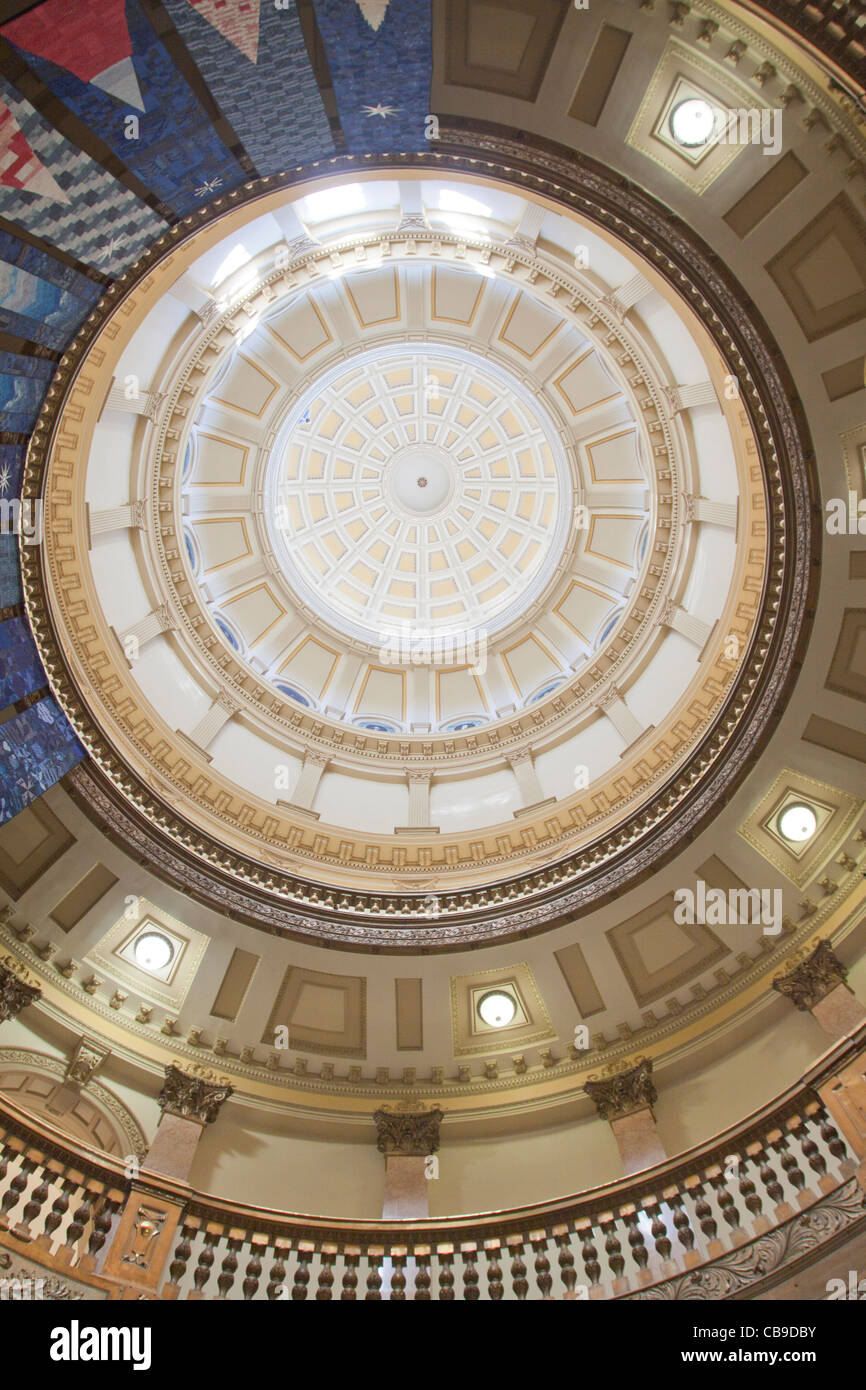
(228, 635)
(294, 694)
(375, 726)
(545, 690)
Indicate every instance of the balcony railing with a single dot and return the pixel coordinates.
(59, 1203)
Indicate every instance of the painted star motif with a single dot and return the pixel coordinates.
(110, 249)
(209, 186)
(380, 110)
(5, 475)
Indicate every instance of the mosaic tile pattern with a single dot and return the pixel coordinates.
(23, 381)
(273, 103)
(105, 62)
(40, 298)
(20, 668)
(381, 75)
(37, 748)
(94, 217)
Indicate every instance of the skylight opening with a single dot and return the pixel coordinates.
(238, 257)
(332, 202)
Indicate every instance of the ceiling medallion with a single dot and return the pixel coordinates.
(140, 809)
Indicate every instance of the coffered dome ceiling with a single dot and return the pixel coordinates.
(447, 560)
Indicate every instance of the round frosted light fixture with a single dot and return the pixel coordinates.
(496, 1009)
(797, 823)
(153, 951)
(692, 122)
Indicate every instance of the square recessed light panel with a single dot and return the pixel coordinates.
(836, 813)
(470, 1034)
(169, 982)
(682, 75)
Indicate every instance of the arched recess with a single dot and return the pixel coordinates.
(33, 1081)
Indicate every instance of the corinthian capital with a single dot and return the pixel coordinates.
(18, 988)
(410, 1131)
(623, 1092)
(813, 979)
(194, 1092)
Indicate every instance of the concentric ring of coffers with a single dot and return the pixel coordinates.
(517, 781)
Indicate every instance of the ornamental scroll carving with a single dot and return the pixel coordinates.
(624, 1092)
(193, 1092)
(410, 1132)
(18, 988)
(813, 979)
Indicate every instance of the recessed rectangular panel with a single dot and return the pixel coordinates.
(599, 74)
(501, 46)
(838, 738)
(408, 1008)
(822, 270)
(576, 972)
(766, 195)
(717, 874)
(83, 897)
(235, 983)
(845, 379)
(29, 844)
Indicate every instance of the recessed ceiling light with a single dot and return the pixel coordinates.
(496, 1009)
(692, 122)
(153, 951)
(797, 823)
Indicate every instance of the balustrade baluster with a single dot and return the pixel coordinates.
(326, 1273)
(59, 1207)
(253, 1271)
(228, 1270)
(708, 1224)
(637, 1244)
(351, 1260)
(80, 1218)
(659, 1232)
(374, 1278)
(518, 1269)
(613, 1249)
(38, 1198)
(205, 1260)
(302, 1273)
(835, 1144)
(543, 1277)
(495, 1286)
(182, 1252)
(682, 1224)
(12, 1195)
(446, 1275)
(721, 1184)
(565, 1260)
(471, 1291)
(423, 1278)
(749, 1194)
(774, 1188)
(398, 1278)
(588, 1252)
(792, 1169)
(103, 1215)
(278, 1271)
